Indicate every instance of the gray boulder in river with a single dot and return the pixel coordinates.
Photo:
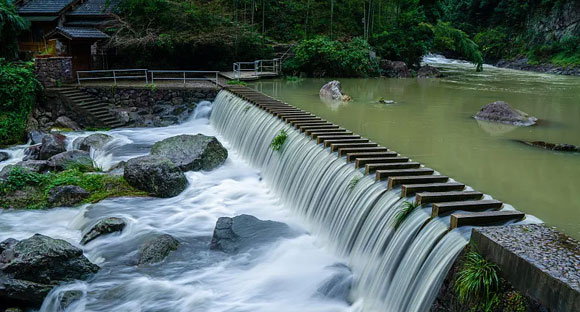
(4, 156)
(428, 71)
(501, 112)
(66, 195)
(333, 91)
(52, 144)
(30, 268)
(243, 232)
(105, 226)
(192, 152)
(36, 136)
(95, 141)
(157, 249)
(156, 175)
(64, 160)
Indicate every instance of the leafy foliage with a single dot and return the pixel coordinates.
(237, 83)
(448, 38)
(11, 25)
(279, 140)
(477, 282)
(403, 212)
(18, 88)
(353, 182)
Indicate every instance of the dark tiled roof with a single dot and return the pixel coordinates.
(78, 33)
(95, 7)
(44, 6)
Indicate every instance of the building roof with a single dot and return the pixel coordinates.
(95, 7)
(78, 33)
(44, 6)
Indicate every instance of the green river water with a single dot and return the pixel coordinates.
(432, 123)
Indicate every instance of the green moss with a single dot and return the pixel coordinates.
(25, 189)
(353, 182)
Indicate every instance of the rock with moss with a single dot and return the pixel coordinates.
(103, 227)
(66, 196)
(502, 112)
(192, 152)
(428, 71)
(94, 141)
(155, 175)
(157, 249)
(52, 144)
(32, 267)
(37, 166)
(333, 91)
(70, 159)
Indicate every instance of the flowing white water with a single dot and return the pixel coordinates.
(396, 269)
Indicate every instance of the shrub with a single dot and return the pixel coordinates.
(447, 38)
(322, 57)
(279, 140)
(494, 44)
(477, 281)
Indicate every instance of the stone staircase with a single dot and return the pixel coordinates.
(94, 108)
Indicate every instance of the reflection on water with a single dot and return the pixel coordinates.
(432, 122)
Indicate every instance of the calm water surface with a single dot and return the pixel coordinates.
(432, 122)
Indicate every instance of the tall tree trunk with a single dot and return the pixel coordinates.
(331, 17)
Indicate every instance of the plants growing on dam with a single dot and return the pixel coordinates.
(403, 212)
(477, 282)
(237, 83)
(279, 140)
(353, 182)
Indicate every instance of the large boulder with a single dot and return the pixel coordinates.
(428, 71)
(65, 122)
(156, 175)
(333, 91)
(52, 144)
(32, 152)
(394, 69)
(192, 152)
(103, 227)
(157, 249)
(243, 232)
(30, 268)
(4, 156)
(37, 166)
(66, 196)
(36, 136)
(68, 159)
(501, 112)
(94, 141)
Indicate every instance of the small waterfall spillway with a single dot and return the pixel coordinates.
(397, 268)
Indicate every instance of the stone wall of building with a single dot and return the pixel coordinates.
(54, 71)
(152, 107)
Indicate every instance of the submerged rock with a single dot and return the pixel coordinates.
(501, 112)
(30, 268)
(67, 159)
(52, 144)
(105, 226)
(66, 195)
(157, 249)
(67, 298)
(94, 141)
(192, 152)
(156, 175)
(243, 232)
(339, 285)
(394, 69)
(553, 146)
(333, 91)
(4, 156)
(428, 71)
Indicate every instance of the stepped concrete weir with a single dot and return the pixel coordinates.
(350, 189)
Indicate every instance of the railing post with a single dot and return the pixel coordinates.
(146, 78)
(184, 79)
(78, 79)
(114, 77)
(152, 78)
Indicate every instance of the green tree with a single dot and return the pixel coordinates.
(11, 25)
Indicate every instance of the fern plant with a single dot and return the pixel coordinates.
(279, 140)
(404, 211)
(477, 282)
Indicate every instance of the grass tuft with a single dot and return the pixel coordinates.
(404, 211)
(477, 282)
(353, 182)
(279, 140)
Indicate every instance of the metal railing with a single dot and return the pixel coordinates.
(269, 66)
(113, 74)
(184, 75)
(240, 67)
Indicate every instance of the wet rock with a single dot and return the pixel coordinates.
(103, 227)
(157, 249)
(156, 175)
(7, 244)
(37, 166)
(52, 144)
(30, 268)
(394, 69)
(339, 285)
(68, 159)
(68, 297)
(94, 141)
(32, 152)
(65, 122)
(501, 112)
(553, 146)
(243, 232)
(66, 196)
(333, 91)
(13, 310)
(428, 71)
(36, 136)
(4, 156)
(192, 152)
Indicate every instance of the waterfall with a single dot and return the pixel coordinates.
(397, 269)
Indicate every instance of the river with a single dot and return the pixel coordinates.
(431, 121)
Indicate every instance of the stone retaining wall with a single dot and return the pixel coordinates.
(53, 71)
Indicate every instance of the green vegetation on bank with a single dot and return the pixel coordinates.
(18, 88)
(35, 187)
